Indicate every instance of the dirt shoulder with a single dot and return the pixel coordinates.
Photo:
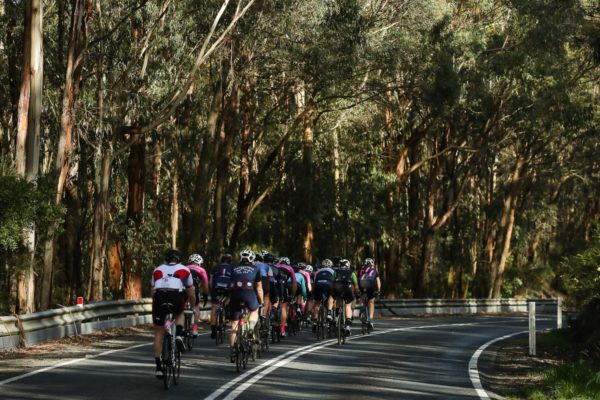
(506, 368)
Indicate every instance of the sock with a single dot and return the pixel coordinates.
(179, 330)
(158, 364)
(252, 324)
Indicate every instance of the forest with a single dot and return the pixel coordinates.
(455, 142)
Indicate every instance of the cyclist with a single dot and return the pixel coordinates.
(301, 284)
(245, 290)
(219, 283)
(369, 283)
(323, 281)
(302, 269)
(266, 275)
(345, 284)
(201, 284)
(285, 273)
(170, 283)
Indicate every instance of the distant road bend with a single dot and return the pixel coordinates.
(405, 358)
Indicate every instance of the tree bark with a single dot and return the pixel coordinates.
(98, 251)
(204, 173)
(132, 271)
(307, 195)
(505, 230)
(81, 10)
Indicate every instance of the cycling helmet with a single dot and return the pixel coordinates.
(336, 260)
(195, 259)
(173, 256)
(247, 255)
(344, 263)
(369, 262)
(301, 265)
(269, 258)
(326, 263)
(309, 269)
(284, 260)
(226, 258)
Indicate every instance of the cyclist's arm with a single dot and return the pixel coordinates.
(355, 282)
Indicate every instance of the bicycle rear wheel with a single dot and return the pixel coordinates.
(189, 338)
(239, 352)
(167, 365)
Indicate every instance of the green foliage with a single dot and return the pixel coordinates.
(24, 205)
(572, 380)
(580, 274)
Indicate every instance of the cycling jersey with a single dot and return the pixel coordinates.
(220, 278)
(171, 277)
(323, 279)
(285, 273)
(307, 280)
(243, 280)
(168, 282)
(368, 280)
(343, 281)
(301, 284)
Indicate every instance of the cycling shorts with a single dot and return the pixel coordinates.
(343, 290)
(322, 291)
(240, 298)
(368, 287)
(174, 297)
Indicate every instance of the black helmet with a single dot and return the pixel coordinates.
(269, 258)
(226, 258)
(173, 255)
(336, 261)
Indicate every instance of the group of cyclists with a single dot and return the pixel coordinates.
(259, 283)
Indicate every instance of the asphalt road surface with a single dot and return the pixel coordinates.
(405, 358)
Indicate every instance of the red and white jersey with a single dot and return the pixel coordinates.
(171, 277)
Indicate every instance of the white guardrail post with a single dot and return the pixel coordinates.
(532, 330)
(559, 313)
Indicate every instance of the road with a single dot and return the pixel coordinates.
(405, 358)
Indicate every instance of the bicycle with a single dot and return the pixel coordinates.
(294, 318)
(244, 346)
(321, 320)
(364, 315)
(275, 327)
(220, 326)
(171, 356)
(188, 323)
(341, 323)
(264, 331)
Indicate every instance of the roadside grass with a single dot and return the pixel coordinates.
(570, 379)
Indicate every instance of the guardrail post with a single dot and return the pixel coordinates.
(531, 308)
(559, 313)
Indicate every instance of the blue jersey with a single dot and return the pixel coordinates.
(301, 282)
(324, 276)
(243, 277)
(265, 271)
(221, 276)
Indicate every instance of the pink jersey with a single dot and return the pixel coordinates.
(201, 273)
(306, 276)
(171, 277)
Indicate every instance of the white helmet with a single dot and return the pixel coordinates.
(369, 262)
(326, 263)
(196, 259)
(309, 268)
(247, 255)
(344, 263)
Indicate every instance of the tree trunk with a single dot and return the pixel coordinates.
(132, 271)
(505, 229)
(174, 204)
(204, 173)
(226, 137)
(307, 195)
(77, 43)
(243, 212)
(96, 282)
(115, 269)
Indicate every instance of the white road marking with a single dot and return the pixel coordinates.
(474, 372)
(291, 355)
(74, 361)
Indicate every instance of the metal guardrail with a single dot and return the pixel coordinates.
(34, 328)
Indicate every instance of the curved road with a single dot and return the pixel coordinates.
(407, 358)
